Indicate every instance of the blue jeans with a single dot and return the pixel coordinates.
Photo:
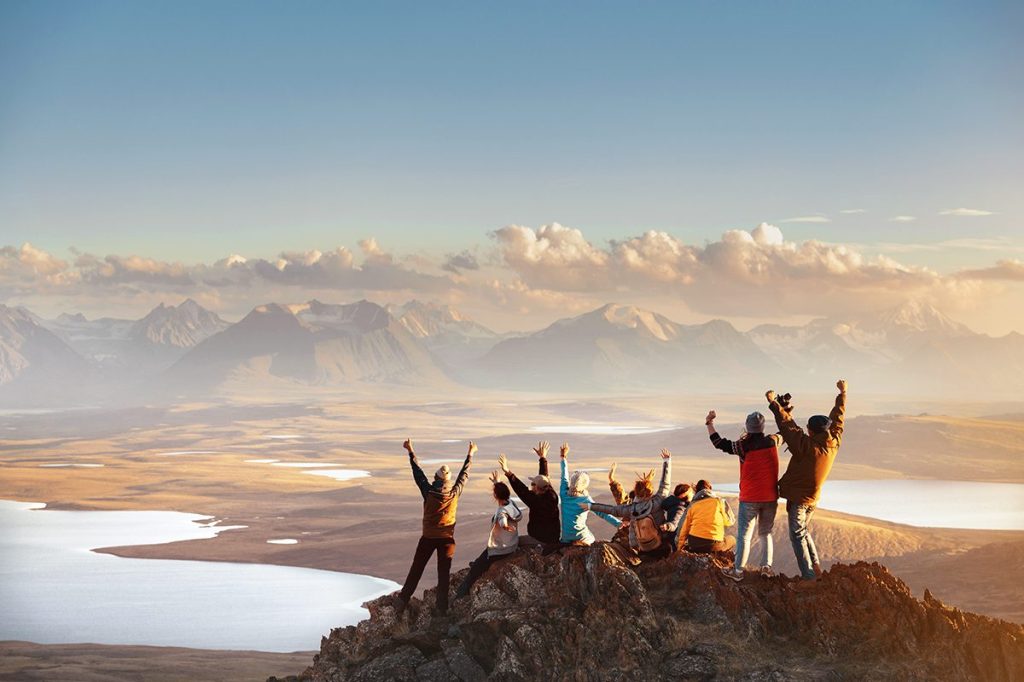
(800, 536)
(764, 512)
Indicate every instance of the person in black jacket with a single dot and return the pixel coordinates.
(542, 499)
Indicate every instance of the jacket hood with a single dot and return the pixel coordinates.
(704, 494)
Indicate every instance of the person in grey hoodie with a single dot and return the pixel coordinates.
(645, 513)
(503, 539)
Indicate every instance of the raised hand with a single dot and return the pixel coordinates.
(408, 445)
(494, 477)
(711, 417)
(503, 463)
(841, 385)
(541, 449)
(565, 450)
(770, 395)
(611, 472)
(665, 454)
(472, 449)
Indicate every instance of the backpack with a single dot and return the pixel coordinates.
(648, 535)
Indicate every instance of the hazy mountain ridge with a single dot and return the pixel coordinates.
(312, 343)
(912, 348)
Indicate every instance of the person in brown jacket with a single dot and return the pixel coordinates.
(440, 500)
(812, 455)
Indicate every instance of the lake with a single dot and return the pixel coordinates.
(936, 504)
(54, 590)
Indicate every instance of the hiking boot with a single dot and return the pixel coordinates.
(733, 574)
(767, 572)
(398, 604)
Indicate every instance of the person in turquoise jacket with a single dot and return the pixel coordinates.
(576, 501)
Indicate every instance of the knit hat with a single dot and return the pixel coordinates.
(443, 474)
(755, 422)
(819, 423)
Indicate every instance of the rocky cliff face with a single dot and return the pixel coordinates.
(583, 615)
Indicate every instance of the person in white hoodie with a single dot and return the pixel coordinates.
(503, 540)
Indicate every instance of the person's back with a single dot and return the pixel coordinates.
(813, 453)
(576, 500)
(540, 497)
(707, 517)
(504, 535)
(440, 503)
(644, 515)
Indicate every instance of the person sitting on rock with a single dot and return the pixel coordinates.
(706, 519)
(440, 501)
(812, 456)
(759, 491)
(503, 539)
(542, 500)
(674, 507)
(645, 514)
(575, 498)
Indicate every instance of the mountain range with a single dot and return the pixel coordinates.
(910, 349)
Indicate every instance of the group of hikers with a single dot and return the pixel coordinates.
(650, 522)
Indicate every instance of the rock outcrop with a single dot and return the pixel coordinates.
(583, 615)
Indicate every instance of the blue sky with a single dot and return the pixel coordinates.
(188, 131)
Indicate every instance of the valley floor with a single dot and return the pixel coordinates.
(199, 458)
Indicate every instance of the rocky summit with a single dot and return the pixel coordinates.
(583, 614)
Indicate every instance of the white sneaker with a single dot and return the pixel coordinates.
(767, 572)
(734, 574)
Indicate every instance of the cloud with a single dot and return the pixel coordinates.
(850, 211)
(903, 219)
(553, 256)
(966, 212)
(136, 270)
(739, 273)
(1008, 270)
(457, 262)
(808, 219)
(27, 269)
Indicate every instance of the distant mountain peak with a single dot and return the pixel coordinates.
(183, 326)
(921, 316)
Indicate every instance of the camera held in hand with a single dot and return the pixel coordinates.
(785, 401)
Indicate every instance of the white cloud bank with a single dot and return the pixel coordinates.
(550, 270)
(966, 212)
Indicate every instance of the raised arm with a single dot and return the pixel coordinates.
(619, 510)
(724, 444)
(838, 411)
(618, 492)
(666, 472)
(793, 435)
(460, 482)
(542, 458)
(524, 493)
(417, 472)
(564, 485)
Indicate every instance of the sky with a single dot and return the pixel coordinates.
(239, 152)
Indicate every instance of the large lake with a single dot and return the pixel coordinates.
(936, 504)
(53, 589)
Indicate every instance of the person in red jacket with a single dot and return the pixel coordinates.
(759, 491)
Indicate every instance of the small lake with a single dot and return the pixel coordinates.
(933, 504)
(53, 589)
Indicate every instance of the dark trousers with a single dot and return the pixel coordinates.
(704, 545)
(445, 551)
(477, 567)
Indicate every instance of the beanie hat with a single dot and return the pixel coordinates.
(755, 422)
(819, 423)
(443, 473)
